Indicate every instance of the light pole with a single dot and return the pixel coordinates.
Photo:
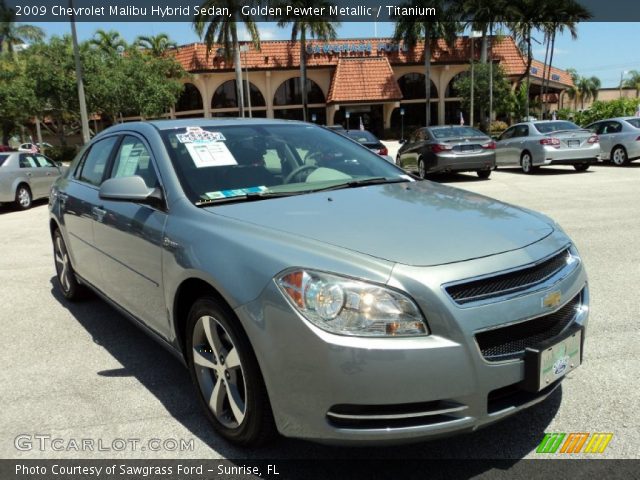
(347, 115)
(245, 48)
(472, 36)
(84, 118)
(622, 74)
(402, 124)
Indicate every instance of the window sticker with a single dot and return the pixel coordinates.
(238, 192)
(198, 135)
(211, 154)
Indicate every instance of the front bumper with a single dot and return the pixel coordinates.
(348, 390)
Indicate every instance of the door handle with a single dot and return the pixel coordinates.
(99, 213)
(28, 174)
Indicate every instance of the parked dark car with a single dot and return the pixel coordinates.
(370, 141)
(451, 148)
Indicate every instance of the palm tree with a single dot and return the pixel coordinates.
(633, 81)
(156, 44)
(410, 30)
(483, 16)
(223, 30)
(588, 89)
(527, 15)
(108, 42)
(12, 34)
(572, 92)
(301, 26)
(568, 13)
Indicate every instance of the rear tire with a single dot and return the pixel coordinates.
(24, 198)
(582, 167)
(484, 174)
(225, 371)
(619, 156)
(422, 169)
(68, 284)
(526, 162)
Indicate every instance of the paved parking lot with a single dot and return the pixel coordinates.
(75, 371)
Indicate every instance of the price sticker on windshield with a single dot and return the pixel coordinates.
(198, 135)
(211, 154)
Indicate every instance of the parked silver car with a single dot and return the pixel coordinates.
(25, 177)
(619, 139)
(314, 288)
(548, 142)
(448, 148)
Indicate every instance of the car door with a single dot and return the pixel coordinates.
(611, 132)
(409, 158)
(35, 175)
(50, 169)
(78, 199)
(129, 237)
(504, 150)
(521, 142)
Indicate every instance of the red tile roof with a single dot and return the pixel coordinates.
(363, 79)
(283, 54)
(563, 77)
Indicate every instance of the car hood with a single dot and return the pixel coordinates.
(414, 223)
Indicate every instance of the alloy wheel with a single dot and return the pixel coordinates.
(422, 171)
(62, 264)
(219, 371)
(24, 197)
(527, 167)
(619, 156)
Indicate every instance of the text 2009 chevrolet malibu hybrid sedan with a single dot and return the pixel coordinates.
(315, 289)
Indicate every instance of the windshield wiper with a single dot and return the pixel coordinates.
(247, 197)
(362, 183)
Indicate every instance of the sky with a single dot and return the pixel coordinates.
(605, 50)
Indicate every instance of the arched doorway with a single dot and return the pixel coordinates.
(225, 100)
(190, 101)
(287, 101)
(412, 86)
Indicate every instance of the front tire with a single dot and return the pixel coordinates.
(68, 284)
(581, 167)
(619, 156)
(484, 174)
(225, 371)
(24, 198)
(526, 162)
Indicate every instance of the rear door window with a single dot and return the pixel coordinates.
(28, 161)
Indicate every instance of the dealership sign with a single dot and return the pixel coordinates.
(345, 48)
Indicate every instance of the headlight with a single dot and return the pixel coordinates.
(351, 307)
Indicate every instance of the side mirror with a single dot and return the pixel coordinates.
(126, 189)
(401, 141)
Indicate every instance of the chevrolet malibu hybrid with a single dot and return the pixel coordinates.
(314, 289)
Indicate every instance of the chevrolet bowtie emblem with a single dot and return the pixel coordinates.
(551, 299)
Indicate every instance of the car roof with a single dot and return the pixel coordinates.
(214, 122)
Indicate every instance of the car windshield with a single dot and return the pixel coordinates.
(548, 127)
(3, 158)
(458, 132)
(635, 122)
(225, 163)
(361, 136)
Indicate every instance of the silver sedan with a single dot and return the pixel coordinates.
(25, 177)
(311, 287)
(535, 144)
(619, 139)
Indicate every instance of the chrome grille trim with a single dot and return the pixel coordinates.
(506, 284)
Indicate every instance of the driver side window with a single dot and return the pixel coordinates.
(507, 134)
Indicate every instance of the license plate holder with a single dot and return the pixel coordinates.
(573, 143)
(550, 361)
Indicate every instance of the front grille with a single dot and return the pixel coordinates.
(508, 282)
(510, 342)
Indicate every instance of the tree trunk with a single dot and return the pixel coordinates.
(427, 72)
(238, 68)
(529, 60)
(303, 73)
(553, 46)
(485, 46)
(544, 75)
(490, 77)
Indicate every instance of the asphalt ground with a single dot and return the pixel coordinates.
(82, 371)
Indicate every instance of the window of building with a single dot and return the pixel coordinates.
(190, 99)
(412, 87)
(288, 93)
(226, 96)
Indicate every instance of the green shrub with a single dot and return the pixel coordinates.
(61, 154)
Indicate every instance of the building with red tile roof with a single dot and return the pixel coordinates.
(370, 78)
